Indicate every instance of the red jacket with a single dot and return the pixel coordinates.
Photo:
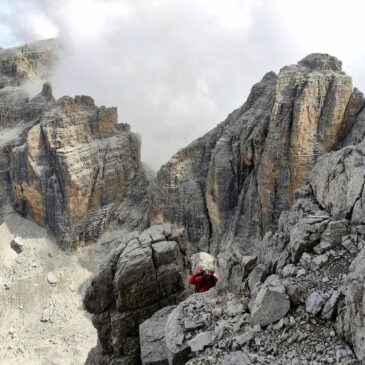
(202, 282)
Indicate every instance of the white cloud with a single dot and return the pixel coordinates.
(176, 68)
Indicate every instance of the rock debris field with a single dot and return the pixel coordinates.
(41, 288)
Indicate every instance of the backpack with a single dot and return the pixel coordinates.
(211, 279)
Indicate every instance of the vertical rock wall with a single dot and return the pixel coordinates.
(65, 164)
(74, 169)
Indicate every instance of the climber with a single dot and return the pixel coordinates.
(203, 279)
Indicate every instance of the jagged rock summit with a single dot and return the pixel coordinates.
(232, 184)
(321, 62)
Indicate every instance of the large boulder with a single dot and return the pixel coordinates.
(142, 274)
(337, 181)
(271, 302)
(332, 236)
(233, 269)
(315, 302)
(306, 234)
(272, 251)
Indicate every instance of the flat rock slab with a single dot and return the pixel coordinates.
(314, 303)
(202, 340)
(152, 338)
(237, 358)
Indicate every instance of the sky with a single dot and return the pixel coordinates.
(176, 68)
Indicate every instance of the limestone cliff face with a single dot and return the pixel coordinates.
(18, 67)
(31, 62)
(233, 183)
(65, 164)
(73, 169)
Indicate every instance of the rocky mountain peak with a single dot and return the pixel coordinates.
(232, 184)
(76, 165)
(321, 62)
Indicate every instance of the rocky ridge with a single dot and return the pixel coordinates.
(72, 170)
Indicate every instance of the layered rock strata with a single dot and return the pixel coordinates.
(66, 164)
(32, 62)
(74, 169)
(19, 68)
(232, 184)
(143, 273)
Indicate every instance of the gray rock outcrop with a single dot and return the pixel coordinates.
(271, 302)
(143, 273)
(351, 321)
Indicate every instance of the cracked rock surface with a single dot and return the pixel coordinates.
(143, 273)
